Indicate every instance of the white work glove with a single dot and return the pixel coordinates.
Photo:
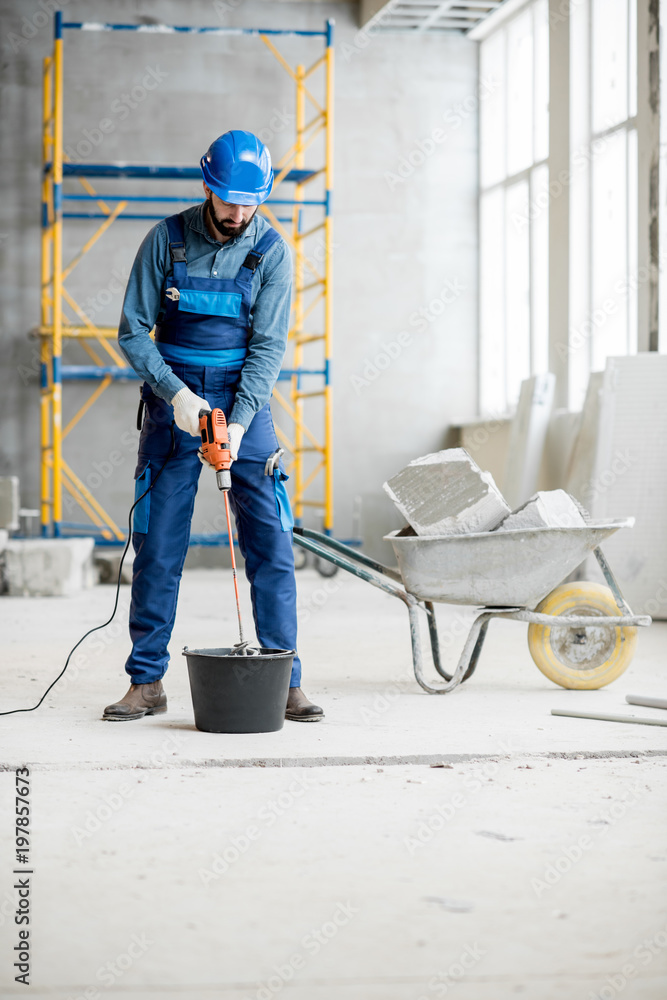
(235, 432)
(186, 410)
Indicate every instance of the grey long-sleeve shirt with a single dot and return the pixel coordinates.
(207, 258)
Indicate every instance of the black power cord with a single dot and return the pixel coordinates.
(120, 572)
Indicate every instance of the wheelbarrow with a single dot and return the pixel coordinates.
(580, 635)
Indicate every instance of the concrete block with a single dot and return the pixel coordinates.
(446, 493)
(550, 509)
(9, 502)
(48, 567)
(107, 562)
(4, 537)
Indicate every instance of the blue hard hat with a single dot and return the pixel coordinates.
(237, 167)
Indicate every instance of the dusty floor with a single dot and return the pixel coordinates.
(332, 860)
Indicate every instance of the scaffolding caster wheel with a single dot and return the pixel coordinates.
(581, 658)
(324, 567)
(300, 557)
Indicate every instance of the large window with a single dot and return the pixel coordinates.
(514, 180)
(599, 315)
(604, 271)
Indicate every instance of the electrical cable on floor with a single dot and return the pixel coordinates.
(120, 572)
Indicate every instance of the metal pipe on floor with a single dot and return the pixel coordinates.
(641, 699)
(610, 718)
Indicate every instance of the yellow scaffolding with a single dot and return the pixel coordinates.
(62, 318)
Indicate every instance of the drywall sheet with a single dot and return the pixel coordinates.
(581, 470)
(527, 437)
(629, 477)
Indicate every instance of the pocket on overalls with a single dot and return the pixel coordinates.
(142, 512)
(282, 500)
(155, 436)
(210, 303)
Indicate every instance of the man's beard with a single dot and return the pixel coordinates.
(223, 227)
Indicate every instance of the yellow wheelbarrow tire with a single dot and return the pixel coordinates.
(581, 658)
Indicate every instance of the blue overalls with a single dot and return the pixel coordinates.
(202, 317)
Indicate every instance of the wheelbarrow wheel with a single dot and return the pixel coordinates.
(581, 658)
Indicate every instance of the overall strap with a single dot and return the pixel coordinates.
(254, 258)
(176, 232)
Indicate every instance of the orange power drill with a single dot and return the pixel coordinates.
(215, 445)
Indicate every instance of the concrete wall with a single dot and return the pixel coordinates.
(405, 222)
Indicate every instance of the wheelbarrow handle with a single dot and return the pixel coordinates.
(332, 543)
(349, 565)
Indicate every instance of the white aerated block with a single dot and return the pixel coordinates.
(48, 567)
(551, 509)
(446, 493)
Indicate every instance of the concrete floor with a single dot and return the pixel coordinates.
(173, 863)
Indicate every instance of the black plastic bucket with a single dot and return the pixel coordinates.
(239, 694)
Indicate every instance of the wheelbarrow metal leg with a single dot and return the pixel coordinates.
(472, 646)
(621, 603)
(474, 659)
(435, 645)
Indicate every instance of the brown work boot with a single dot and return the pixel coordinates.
(140, 700)
(299, 709)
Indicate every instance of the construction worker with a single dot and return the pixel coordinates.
(215, 281)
